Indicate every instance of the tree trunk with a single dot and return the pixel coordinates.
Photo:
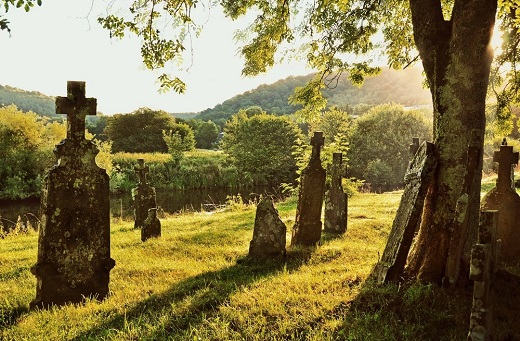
(456, 58)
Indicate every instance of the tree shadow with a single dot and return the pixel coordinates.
(11, 317)
(205, 293)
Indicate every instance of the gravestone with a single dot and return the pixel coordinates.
(506, 201)
(269, 234)
(151, 226)
(336, 199)
(307, 225)
(143, 195)
(74, 238)
(417, 180)
(483, 267)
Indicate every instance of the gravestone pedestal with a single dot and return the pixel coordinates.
(336, 199)
(74, 239)
(269, 235)
(506, 201)
(143, 196)
(307, 226)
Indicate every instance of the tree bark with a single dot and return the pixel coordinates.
(456, 57)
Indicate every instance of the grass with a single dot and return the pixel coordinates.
(196, 283)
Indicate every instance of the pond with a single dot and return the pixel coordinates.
(173, 201)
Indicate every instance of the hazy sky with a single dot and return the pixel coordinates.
(55, 43)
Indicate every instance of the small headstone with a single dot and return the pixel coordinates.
(269, 234)
(335, 199)
(74, 239)
(151, 226)
(506, 201)
(143, 195)
(417, 180)
(307, 226)
(482, 271)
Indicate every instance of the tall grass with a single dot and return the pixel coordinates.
(196, 283)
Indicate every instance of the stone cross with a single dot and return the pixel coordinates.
(307, 225)
(74, 260)
(76, 106)
(506, 159)
(141, 170)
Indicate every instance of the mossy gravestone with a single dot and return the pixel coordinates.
(74, 239)
(151, 226)
(307, 225)
(336, 199)
(143, 195)
(417, 180)
(506, 201)
(269, 234)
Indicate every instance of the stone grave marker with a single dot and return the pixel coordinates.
(269, 234)
(151, 226)
(506, 201)
(483, 267)
(143, 195)
(74, 238)
(336, 199)
(417, 180)
(307, 226)
(414, 146)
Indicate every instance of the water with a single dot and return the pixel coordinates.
(121, 205)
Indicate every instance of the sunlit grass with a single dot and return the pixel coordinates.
(196, 283)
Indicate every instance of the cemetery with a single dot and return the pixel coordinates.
(183, 275)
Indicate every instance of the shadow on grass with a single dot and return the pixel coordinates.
(204, 292)
(10, 317)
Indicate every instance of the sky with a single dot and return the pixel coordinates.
(61, 41)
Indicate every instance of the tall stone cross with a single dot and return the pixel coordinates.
(76, 106)
(141, 170)
(317, 141)
(506, 159)
(414, 146)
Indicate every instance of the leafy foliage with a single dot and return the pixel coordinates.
(261, 146)
(379, 145)
(139, 131)
(206, 133)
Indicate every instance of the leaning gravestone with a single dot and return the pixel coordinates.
(506, 201)
(307, 226)
(417, 180)
(482, 271)
(336, 199)
(269, 234)
(151, 226)
(143, 195)
(74, 239)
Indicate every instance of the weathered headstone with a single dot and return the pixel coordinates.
(307, 225)
(74, 239)
(460, 224)
(151, 226)
(143, 195)
(417, 180)
(269, 234)
(506, 201)
(336, 199)
(482, 271)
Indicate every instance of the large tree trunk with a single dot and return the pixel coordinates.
(456, 58)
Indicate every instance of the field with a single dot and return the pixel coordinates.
(196, 283)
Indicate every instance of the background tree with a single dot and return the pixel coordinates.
(139, 131)
(261, 147)
(206, 133)
(379, 144)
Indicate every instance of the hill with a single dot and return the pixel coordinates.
(402, 87)
(34, 101)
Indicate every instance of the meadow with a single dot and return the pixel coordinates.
(197, 283)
